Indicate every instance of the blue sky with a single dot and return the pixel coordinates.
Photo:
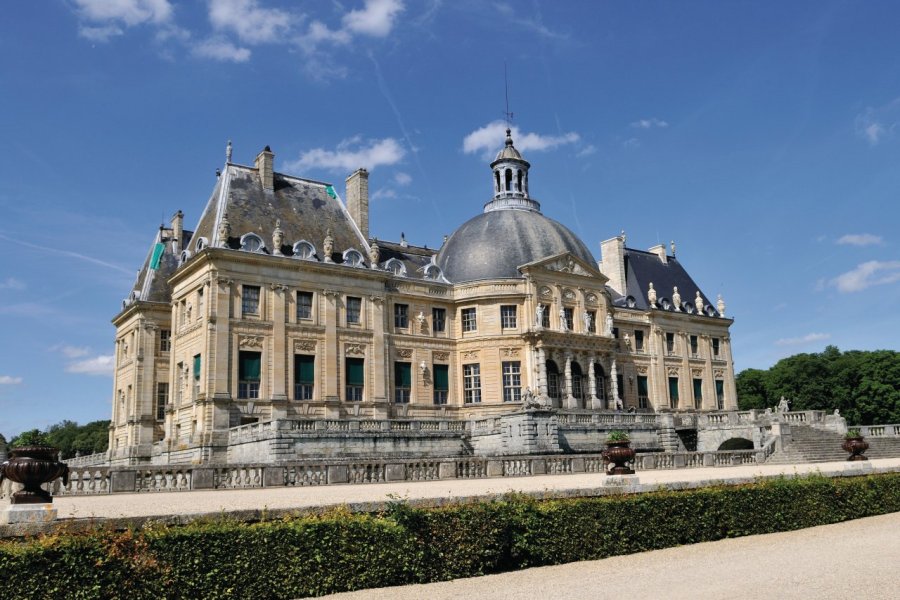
(761, 137)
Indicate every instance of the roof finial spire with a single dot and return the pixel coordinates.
(509, 115)
(228, 152)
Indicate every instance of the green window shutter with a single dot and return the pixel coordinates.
(158, 250)
(329, 189)
(355, 371)
(304, 368)
(642, 386)
(403, 374)
(673, 388)
(197, 366)
(441, 377)
(698, 388)
(249, 366)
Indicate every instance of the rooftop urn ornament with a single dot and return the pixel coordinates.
(676, 298)
(224, 231)
(328, 245)
(624, 238)
(651, 295)
(228, 152)
(672, 246)
(277, 238)
(720, 306)
(698, 302)
(374, 254)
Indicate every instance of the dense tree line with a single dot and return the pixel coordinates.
(864, 386)
(72, 438)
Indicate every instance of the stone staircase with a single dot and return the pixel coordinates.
(811, 445)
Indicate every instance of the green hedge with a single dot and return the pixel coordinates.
(340, 551)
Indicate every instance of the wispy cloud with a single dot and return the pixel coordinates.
(860, 239)
(868, 274)
(349, 155)
(533, 24)
(376, 18)
(490, 138)
(806, 339)
(587, 151)
(384, 194)
(875, 124)
(70, 254)
(401, 178)
(219, 49)
(631, 143)
(97, 365)
(650, 123)
(10, 380)
(11, 283)
(71, 351)
(252, 23)
(102, 20)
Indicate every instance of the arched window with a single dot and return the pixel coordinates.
(185, 256)
(577, 387)
(250, 242)
(396, 267)
(600, 380)
(519, 180)
(202, 243)
(304, 250)
(497, 183)
(552, 379)
(509, 180)
(353, 258)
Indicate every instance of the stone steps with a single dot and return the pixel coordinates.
(815, 445)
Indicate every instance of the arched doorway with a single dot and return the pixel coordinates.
(600, 378)
(553, 383)
(736, 444)
(578, 384)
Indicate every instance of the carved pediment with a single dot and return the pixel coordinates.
(566, 263)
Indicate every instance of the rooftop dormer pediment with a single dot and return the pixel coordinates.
(566, 263)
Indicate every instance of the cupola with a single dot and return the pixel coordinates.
(510, 173)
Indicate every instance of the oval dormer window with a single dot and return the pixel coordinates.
(396, 267)
(250, 242)
(185, 256)
(433, 271)
(665, 304)
(304, 250)
(689, 308)
(629, 301)
(353, 258)
(710, 310)
(201, 244)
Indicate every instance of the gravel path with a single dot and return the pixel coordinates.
(856, 559)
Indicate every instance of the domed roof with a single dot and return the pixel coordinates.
(494, 244)
(508, 151)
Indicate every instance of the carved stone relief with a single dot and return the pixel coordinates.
(251, 341)
(358, 349)
(304, 345)
(440, 356)
(404, 352)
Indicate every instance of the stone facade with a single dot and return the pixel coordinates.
(278, 307)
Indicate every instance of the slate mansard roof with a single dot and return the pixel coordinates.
(643, 268)
(152, 281)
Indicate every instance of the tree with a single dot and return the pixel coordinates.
(72, 438)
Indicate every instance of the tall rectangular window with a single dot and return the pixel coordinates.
(545, 317)
(512, 381)
(355, 373)
(643, 393)
(639, 340)
(179, 382)
(508, 316)
(592, 321)
(249, 367)
(162, 398)
(469, 319)
(670, 342)
(304, 305)
(250, 300)
(673, 392)
(569, 315)
(438, 319)
(354, 308)
(472, 383)
(698, 393)
(402, 382)
(201, 303)
(401, 316)
(196, 377)
(720, 394)
(304, 376)
(715, 347)
(165, 340)
(620, 382)
(694, 346)
(441, 384)
(553, 385)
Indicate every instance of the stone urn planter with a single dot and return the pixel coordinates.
(618, 454)
(855, 444)
(33, 466)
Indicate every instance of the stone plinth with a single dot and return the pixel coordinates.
(624, 481)
(16, 514)
(530, 432)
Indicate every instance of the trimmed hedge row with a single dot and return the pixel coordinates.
(340, 551)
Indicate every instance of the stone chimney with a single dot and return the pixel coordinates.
(264, 162)
(612, 262)
(660, 251)
(178, 230)
(358, 200)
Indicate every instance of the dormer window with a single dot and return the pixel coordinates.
(396, 267)
(629, 302)
(304, 250)
(665, 303)
(250, 242)
(432, 271)
(202, 243)
(353, 258)
(185, 256)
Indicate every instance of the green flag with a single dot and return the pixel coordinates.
(329, 189)
(157, 254)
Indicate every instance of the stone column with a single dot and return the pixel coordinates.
(596, 404)
(614, 386)
(571, 402)
(379, 358)
(331, 355)
(729, 385)
(685, 379)
(542, 375)
(280, 354)
(709, 383)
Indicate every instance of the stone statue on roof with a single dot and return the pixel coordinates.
(698, 302)
(328, 245)
(676, 298)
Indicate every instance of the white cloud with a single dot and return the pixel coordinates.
(11, 283)
(350, 155)
(631, 143)
(10, 380)
(221, 50)
(876, 124)
(650, 123)
(534, 24)
(71, 351)
(251, 23)
(860, 239)
(403, 179)
(806, 339)
(98, 365)
(867, 274)
(376, 18)
(107, 18)
(491, 137)
(384, 194)
(587, 151)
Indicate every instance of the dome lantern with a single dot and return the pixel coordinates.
(510, 180)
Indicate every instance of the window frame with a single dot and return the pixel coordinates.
(162, 399)
(355, 311)
(438, 319)
(509, 316)
(401, 315)
(355, 392)
(511, 371)
(472, 383)
(469, 319)
(402, 394)
(247, 300)
(441, 395)
(165, 340)
(249, 389)
(303, 389)
(303, 305)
